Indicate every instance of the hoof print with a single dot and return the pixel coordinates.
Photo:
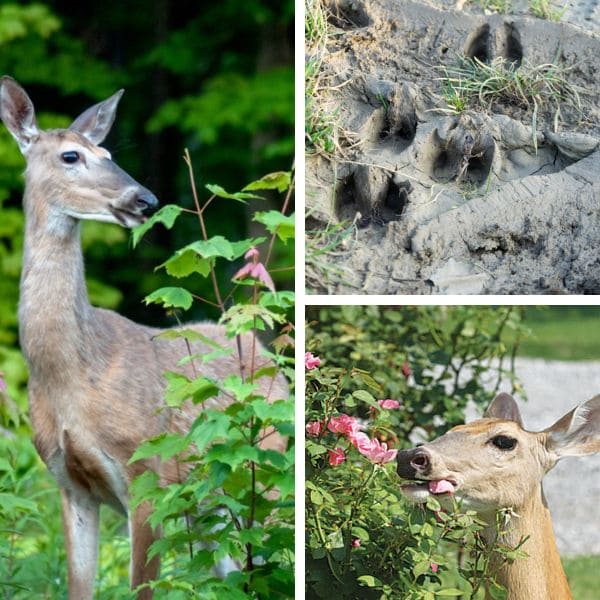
(478, 45)
(445, 167)
(346, 14)
(511, 47)
(396, 197)
(346, 205)
(400, 118)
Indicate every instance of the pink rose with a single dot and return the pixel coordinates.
(311, 362)
(389, 403)
(336, 457)
(356, 543)
(434, 567)
(344, 424)
(255, 269)
(360, 441)
(378, 452)
(314, 428)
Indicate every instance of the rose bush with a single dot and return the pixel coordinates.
(385, 376)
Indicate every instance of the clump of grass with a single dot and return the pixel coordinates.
(499, 6)
(543, 10)
(322, 246)
(532, 87)
(321, 124)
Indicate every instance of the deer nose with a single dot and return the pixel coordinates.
(147, 202)
(420, 461)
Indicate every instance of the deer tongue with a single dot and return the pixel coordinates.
(440, 487)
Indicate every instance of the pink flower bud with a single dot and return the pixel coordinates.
(389, 403)
(336, 457)
(356, 543)
(314, 428)
(311, 362)
(406, 370)
(252, 255)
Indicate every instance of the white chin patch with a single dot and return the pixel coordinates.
(104, 218)
(415, 492)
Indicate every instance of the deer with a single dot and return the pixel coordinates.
(96, 382)
(494, 463)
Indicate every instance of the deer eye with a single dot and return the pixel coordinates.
(503, 442)
(70, 157)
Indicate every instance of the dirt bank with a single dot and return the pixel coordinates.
(498, 196)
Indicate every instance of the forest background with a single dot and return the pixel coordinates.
(216, 78)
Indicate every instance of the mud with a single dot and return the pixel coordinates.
(489, 200)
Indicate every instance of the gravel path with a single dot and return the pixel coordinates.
(572, 488)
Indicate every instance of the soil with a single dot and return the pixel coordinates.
(486, 201)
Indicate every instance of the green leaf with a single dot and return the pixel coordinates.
(316, 497)
(191, 335)
(240, 389)
(275, 222)
(167, 215)
(210, 426)
(449, 592)
(180, 388)
(199, 257)
(217, 190)
(364, 396)
(233, 455)
(170, 297)
(165, 445)
(421, 567)
(246, 317)
(280, 181)
(280, 410)
(186, 262)
(497, 591)
(368, 581)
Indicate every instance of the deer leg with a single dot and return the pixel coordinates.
(80, 522)
(142, 535)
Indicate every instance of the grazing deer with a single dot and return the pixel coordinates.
(95, 383)
(494, 463)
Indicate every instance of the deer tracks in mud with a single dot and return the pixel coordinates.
(457, 203)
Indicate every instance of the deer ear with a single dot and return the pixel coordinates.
(96, 121)
(504, 406)
(17, 113)
(578, 432)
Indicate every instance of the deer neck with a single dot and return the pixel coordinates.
(55, 317)
(540, 576)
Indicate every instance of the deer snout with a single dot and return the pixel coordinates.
(146, 202)
(413, 462)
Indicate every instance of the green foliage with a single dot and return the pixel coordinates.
(237, 497)
(450, 351)
(67, 58)
(583, 575)
(562, 333)
(363, 539)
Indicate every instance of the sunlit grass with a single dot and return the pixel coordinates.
(562, 333)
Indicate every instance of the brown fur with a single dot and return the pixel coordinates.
(96, 378)
(488, 478)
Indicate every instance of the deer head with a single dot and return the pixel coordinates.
(494, 462)
(68, 174)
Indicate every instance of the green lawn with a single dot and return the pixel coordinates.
(583, 574)
(562, 333)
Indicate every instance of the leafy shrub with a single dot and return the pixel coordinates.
(384, 377)
(237, 500)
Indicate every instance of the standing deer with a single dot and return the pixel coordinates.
(494, 463)
(95, 383)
